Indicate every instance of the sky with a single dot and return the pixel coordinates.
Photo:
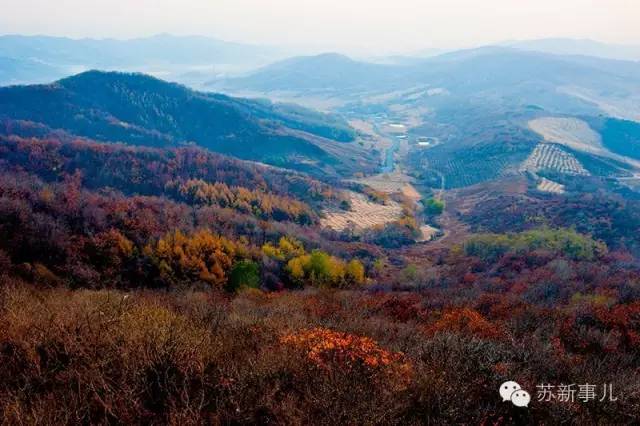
(347, 25)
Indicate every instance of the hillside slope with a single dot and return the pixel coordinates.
(499, 75)
(141, 110)
(326, 72)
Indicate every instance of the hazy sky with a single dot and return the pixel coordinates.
(399, 25)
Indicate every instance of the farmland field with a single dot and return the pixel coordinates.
(362, 215)
(472, 165)
(551, 157)
(571, 132)
(550, 186)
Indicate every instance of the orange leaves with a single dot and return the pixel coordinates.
(469, 278)
(596, 328)
(327, 349)
(324, 346)
(396, 307)
(109, 250)
(259, 203)
(465, 321)
(200, 256)
(625, 320)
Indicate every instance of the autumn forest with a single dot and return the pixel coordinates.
(150, 275)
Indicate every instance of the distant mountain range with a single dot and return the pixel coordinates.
(39, 58)
(574, 84)
(330, 71)
(141, 110)
(583, 47)
(478, 104)
(193, 60)
(15, 71)
(163, 48)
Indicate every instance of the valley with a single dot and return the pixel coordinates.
(392, 140)
(315, 239)
(438, 129)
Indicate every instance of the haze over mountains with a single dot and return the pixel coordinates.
(474, 102)
(480, 106)
(584, 47)
(194, 59)
(43, 59)
(531, 76)
(325, 72)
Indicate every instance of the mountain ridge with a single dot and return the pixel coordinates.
(141, 110)
(583, 47)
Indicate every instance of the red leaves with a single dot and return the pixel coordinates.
(330, 349)
(601, 329)
(465, 321)
(469, 278)
(403, 308)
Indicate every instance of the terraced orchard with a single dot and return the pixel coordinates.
(547, 156)
(470, 165)
(550, 186)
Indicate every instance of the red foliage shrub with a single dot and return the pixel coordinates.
(465, 321)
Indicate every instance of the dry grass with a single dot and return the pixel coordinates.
(363, 214)
(105, 357)
(392, 183)
(92, 357)
(428, 233)
(571, 132)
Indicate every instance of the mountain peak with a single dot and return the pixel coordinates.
(101, 79)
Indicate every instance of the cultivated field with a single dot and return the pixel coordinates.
(392, 183)
(576, 134)
(363, 214)
(571, 132)
(466, 171)
(551, 157)
(550, 186)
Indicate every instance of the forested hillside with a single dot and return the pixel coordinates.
(149, 277)
(73, 210)
(141, 110)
